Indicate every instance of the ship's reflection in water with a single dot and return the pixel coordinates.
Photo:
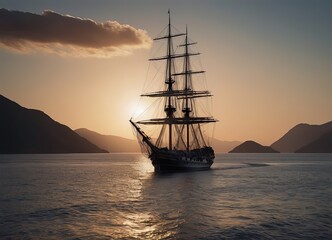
(140, 216)
(118, 196)
(175, 205)
(234, 200)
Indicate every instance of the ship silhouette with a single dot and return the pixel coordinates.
(181, 143)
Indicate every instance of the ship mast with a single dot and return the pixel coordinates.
(186, 110)
(169, 108)
(187, 94)
(169, 81)
(188, 89)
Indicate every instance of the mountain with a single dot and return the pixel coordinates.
(322, 145)
(252, 147)
(223, 146)
(32, 131)
(118, 144)
(301, 135)
(109, 142)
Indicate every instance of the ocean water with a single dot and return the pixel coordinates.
(118, 196)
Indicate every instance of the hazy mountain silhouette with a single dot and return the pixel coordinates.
(223, 146)
(25, 130)
(322, 145)
(301, 135)
(119, 144)
(109, 142)
(252, 147)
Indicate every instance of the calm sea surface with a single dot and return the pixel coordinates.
(118, 196)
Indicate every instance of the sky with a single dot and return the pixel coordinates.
(84, 63)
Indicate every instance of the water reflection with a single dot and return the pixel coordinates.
(139, 224)
(118, 196)
(148, 217)
(176, 205)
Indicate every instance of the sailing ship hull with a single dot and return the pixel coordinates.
(172, 161)
(170, 165)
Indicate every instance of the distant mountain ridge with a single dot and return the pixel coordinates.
(32, 131)
(113, 144)
(252, 147)
(220, 146)
(300, 136)
(119, 144)
(322, 145)
(25, 130)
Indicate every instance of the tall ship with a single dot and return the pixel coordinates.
(180, 143)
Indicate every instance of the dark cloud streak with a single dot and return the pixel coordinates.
(53, 32)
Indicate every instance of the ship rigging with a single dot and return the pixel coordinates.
(181, 143)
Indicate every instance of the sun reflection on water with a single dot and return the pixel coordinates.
(119, 196)
(137, 221)
(137, 224)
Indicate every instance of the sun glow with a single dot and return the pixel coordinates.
(137, 109)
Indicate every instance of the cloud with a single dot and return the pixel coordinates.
(66, 35)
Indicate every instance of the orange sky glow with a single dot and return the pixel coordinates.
(268, 65)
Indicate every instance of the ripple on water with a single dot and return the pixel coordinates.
(107, 196)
